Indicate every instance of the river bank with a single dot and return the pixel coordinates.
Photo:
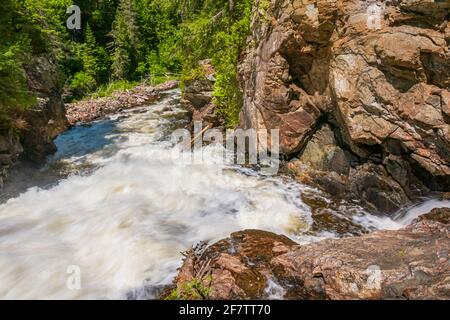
(93, 109)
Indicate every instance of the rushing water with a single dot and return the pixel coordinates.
(130, 207)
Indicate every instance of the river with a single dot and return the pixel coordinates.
(127, 208)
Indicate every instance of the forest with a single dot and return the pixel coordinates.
(121, 43)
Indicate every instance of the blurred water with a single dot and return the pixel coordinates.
(128, 207)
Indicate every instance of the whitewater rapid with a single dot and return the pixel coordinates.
(130, 207)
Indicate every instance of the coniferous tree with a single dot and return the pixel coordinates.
(125, 43)
(14, 47)
(89, 53)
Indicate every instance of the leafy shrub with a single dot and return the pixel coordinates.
(193, 290)
(82, 84)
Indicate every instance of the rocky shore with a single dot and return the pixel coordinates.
(50, 117)
(411, 263)
(94, 109)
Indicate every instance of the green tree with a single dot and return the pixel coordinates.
(125, 34)
(218, 29)
(89, 53)
(14, 48)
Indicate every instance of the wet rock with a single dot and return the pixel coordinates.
(441, 215)
(368, 185)
(384, 89)
(411, 263)
(10, 150)
(232, 267)
(375, 188)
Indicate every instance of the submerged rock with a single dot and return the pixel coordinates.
(411, 263)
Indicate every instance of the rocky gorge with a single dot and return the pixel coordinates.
(363, 115)
(361, 97)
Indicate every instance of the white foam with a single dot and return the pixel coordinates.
(400, 220)
(126, 223)
(129, 220)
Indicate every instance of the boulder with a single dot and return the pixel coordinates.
(235, 268)
(411, 263)
(41, 123)
(322, 153)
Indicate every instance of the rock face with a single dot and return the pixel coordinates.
(47, 119)
(374, 73)
(198, 97)
(412, 263)
(42, 122)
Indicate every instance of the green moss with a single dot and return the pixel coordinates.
(193, 290)
(263, 10)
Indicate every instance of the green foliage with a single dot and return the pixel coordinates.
(193, 290)
(214, 30)
(15, 44)
(124, 41)
(189, 74)
(263, 8)
(106, 90)
(89, 53)
(82, 83)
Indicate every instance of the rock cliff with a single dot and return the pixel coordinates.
(43, 121)
(359, 91)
